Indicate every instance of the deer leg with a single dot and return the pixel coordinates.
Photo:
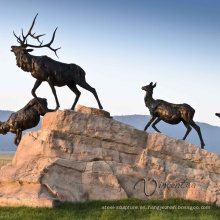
(150, 121)
(77, 92)
(18, 134)
(36, 85)
(188, 129)
(15, 140)
(19, 137)
(54, 93)
(197, 128)
(153, 125)
(86, 86)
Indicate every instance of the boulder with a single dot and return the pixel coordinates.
(86, 155)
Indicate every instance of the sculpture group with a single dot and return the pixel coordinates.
(43, 68)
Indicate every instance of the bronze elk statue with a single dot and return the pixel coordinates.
(26, 118)
(44, 68)
(169, 113)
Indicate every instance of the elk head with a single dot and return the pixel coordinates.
(20, 50)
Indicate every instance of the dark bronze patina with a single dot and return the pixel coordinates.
(44, 68)
(26, 118)
(170, 113)
(217, 114)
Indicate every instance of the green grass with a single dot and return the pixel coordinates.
(98, 210)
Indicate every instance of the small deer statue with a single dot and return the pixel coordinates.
(44, 68)
(26, 118)
(170, 113)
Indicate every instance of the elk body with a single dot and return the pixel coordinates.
(26, 118)
(169, 113)
(43, 68)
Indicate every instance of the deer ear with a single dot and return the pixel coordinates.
(151, 83)
(154, 85)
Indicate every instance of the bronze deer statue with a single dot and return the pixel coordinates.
(217, 114)
(26, 118)
(44, 68)
(169, 113)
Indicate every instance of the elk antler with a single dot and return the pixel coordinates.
(45, 45)
(22, 42)
(29, 33)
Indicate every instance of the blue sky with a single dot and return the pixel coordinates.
(122, 45)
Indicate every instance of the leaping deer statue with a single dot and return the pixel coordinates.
(170, 113)
(26, 118)
(44, 68)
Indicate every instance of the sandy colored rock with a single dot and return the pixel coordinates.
(92, 111)
(86, 155)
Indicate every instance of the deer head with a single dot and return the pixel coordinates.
(217, 114)
(149, 87)
(43, 102)
(4, 128)
(20, 50)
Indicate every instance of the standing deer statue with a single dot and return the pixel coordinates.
(44, 68)
(169, 113)
(26, 118)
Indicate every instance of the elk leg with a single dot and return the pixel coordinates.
(153, 125)
(188, 129)
(77, 92)
(36, 85)
(54, 93)
(197, 128)
(150, 121)
(86, 86)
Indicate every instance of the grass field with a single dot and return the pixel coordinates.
(178, 209)
(5, 159)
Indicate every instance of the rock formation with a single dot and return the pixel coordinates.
(86, 155)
